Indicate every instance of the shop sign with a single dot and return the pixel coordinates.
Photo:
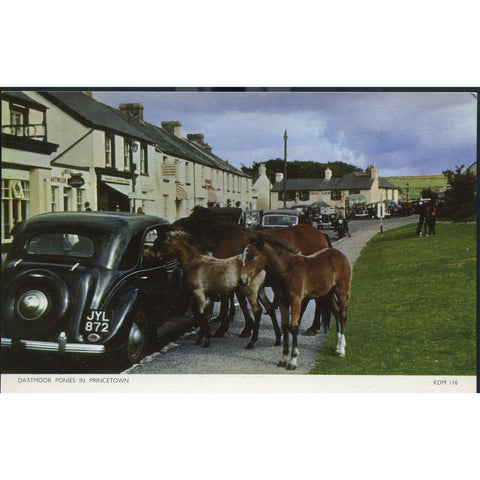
(76, 181)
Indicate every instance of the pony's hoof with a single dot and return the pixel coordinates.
(282, 363)
(206, 344)
(219, 334)
(245, 333)
(249, 346)
(310, 332)
(291, 366)
(278, 342)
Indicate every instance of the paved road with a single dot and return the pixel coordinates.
(228, 356)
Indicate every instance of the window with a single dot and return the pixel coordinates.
(304, 196)
(144, 159)
(187, 173)
(15, 204)
(79, 200)
(54, 198)
(127, 154)
(60, 244)
(290, 195)
(109, 150)
(67, 199)
(336, 195)
(18, 119)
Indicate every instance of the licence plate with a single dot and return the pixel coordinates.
(97, 321)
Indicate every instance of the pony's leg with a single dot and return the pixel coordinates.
(231, 311)
(204, 330)
(223, 328)
(256, 327)
(285, 321)
(339, 309)
(270, 309)
(223, 310)
(249, 324)
(295, 323)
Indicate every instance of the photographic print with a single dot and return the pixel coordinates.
(239, 240)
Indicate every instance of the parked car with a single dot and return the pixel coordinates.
(307, 211)
(282, 218)
(325, 218)
(84, 283)
(254, 219)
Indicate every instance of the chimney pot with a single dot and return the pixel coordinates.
(278, 177)
(173, 127)
(135, 110)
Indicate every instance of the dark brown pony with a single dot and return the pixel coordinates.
(295, 278)
(225, 240)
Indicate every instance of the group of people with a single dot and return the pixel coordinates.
(427, 219)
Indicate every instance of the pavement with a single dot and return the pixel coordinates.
(227, 355)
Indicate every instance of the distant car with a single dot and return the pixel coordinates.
(84, 283)
(325, 218)
(282, 218)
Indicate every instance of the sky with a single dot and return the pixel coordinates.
(402, 133)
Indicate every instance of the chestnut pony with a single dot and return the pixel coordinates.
(296, 278)
(225, 240)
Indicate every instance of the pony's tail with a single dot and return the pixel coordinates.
(326, 321)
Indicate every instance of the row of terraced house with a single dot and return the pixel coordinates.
(61, 149)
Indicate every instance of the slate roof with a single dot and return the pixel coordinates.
(98, 115)
(180, 147)
(23, 98)
(351, 181)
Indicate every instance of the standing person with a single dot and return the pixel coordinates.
(345, 229)
(140, 211)
(117, 208)
(421, 219)
(87, 207)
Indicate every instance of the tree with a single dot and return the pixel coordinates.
(460, 199)
(298, 169)
(429, 193)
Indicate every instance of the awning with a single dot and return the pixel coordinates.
(123, 189)
(180, 192)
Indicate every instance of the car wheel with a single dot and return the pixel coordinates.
(139, 341)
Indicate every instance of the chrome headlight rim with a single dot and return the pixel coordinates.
(32, 305)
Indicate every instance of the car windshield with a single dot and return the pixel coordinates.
(282, 220)
(60, 244)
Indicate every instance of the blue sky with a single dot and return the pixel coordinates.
(402, 133)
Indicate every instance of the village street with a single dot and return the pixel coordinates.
(228, 356)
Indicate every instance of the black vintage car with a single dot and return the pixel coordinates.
(84, 283)
(282, 217)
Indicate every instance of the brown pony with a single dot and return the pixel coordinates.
(295, 278)
(207, 275)
(225, 240)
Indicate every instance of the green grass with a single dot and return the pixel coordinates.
(417, 184)
(412, 307)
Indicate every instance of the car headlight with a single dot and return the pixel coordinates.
(32, 305)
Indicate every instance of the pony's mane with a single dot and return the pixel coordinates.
(190, 239)
(274, 242)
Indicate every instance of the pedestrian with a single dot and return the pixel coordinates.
(345, 228)
(87, 207)
(117, 208)
(140, 211)
(421, 218)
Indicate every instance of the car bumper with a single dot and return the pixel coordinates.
(61, 346)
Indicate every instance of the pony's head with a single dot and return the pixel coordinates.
(253, 259)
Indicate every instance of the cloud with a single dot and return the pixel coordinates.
(417, 132)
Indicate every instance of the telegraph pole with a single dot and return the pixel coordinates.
(285, 169)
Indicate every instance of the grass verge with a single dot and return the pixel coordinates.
(412, 307)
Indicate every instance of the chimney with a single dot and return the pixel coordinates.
(262, 170)
(173, 128)
(278, 177)
(135, 110)
(196, 138)
(328, 174)
(372, 169)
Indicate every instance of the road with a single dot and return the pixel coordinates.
(228, 356)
